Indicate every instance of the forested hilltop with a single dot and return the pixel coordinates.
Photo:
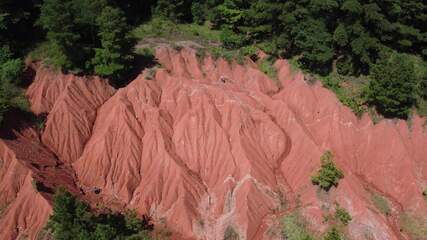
(370, 53)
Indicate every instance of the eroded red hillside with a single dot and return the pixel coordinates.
(203, 146)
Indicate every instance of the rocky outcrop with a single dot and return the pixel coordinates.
(204, 146)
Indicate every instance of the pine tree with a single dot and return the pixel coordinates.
(316, 45)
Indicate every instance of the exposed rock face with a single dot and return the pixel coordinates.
(209, 146)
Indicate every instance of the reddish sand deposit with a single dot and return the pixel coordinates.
(203, 147)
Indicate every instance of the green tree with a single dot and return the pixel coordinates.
(341, 36)
(316, 46)
(392, 86)
(199, 11)
(72, 219)
(328, 174)
(57, 18)
(10, 77)
(111, 60)
(176, 10)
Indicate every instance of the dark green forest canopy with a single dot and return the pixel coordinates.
(73, 219)
(347, 37)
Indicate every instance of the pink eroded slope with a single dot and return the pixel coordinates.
(23, 211)
(207, 145)
(72, 103)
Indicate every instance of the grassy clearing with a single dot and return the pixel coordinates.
(161, 31)
(168, 30)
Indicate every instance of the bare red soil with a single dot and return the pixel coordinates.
(204, 146)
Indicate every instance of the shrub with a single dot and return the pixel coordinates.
(267, 67)
(342, 215)
(269, 47)
(230, 39)
(250, 51)
(332, 234)
(328, 174)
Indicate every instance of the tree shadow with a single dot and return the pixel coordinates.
(15, 120)
(139, 63)
(27, 77)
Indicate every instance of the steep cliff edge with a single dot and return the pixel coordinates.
(205, 146)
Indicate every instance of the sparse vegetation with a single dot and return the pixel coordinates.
(414, 225)
(349, 96)
(328, 175)
(231, 234)
(381, 203)
(151, 72)
(295, 228)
